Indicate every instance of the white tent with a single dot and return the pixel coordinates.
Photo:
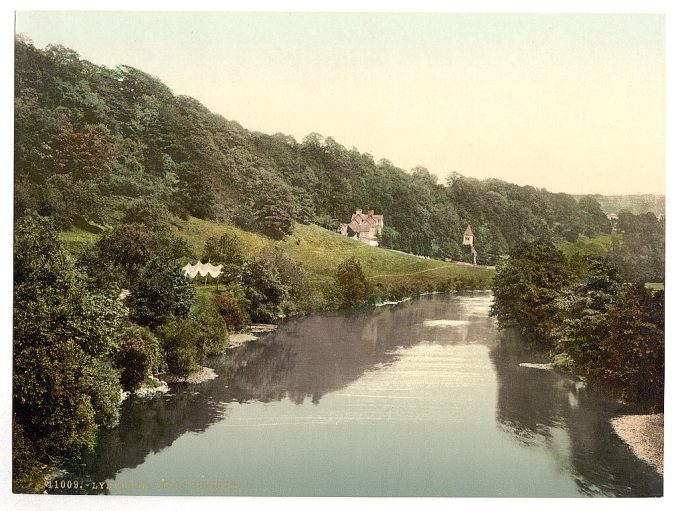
(191, 270)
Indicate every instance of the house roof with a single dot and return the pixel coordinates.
(468, 231)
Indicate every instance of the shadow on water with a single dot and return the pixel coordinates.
(560, 413)
(304, 359)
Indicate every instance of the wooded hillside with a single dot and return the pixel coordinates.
(89, 139)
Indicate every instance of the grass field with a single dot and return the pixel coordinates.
(320, 251)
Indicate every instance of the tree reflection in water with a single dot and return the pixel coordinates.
(304, 359)
(554, 411)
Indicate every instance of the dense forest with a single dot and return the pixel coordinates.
(88, 138)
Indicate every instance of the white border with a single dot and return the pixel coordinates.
(10, 501)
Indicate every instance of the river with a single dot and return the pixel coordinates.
(424, 398)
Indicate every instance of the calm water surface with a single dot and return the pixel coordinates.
(421, 398)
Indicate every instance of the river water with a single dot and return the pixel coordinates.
(422, 398)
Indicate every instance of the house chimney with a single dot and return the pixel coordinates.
(370, 211)
(359, 211)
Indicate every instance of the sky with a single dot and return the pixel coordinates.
(571, 102)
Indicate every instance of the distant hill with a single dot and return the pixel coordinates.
(636, 204)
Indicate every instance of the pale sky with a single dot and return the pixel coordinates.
(573, 103)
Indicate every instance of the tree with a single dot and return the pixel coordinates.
(225, 250)
(162, 292)
(526, 288)
(132, 246)
(352, 284)
(292, 276)
(148, 212)
(263, 290)
(635, 345)
(62, 386)
(584, 312)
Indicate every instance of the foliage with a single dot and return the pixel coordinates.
(232, 310)
(599, 246)
(139, 356)
(120, 132)
(180, 345)
(292, 276)
(610, 330)
(28, 473)
(131, 247)
(635, 345)
(212, 335)
(148, 212)
(225, 250)
(584, 308)
(352, 284)
(264, 292)
(640, 253)
(161, 293)
(526, 288)
(62, 388)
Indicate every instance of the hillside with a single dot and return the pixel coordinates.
(319, 252)
(89, 139)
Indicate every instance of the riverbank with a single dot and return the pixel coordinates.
(644, 435)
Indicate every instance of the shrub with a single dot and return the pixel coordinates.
(211, 335)
(232, 311)
(103, 382)
(162, 292)
(264, 292)
(139, 356)
(352, 283)
(179, 342)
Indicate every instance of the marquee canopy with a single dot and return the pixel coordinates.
(202, 269)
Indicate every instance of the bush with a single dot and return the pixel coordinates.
(179, 342)
(162, 292)
(139, 356)
(232, 311)
(264, 292)
(211, 335)
(104, 388)
(352, 283)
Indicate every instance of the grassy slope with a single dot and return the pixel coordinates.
(320, 251)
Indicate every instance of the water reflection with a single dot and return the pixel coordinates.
(553, 411)
(304, 359)
(541, 411)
